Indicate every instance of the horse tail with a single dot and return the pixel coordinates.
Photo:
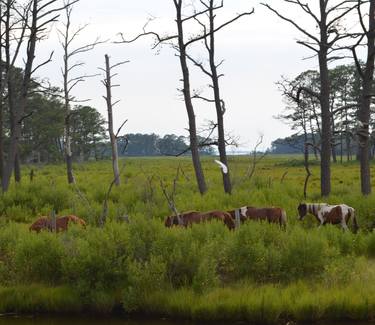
(355, 223)
(283, 218)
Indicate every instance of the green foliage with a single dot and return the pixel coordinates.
(205, 272)
(38, 259)
(37, 298)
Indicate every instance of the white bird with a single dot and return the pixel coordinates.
(222, 166)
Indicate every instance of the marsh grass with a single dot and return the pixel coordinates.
(258, 273)
(37, 299)
(267, 304)
(140, 191)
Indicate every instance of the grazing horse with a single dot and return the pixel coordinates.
(41, 224)
(188, 218)
(272, 215)
(61, 223)
(325, 213)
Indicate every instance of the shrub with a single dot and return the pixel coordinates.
(37, 258)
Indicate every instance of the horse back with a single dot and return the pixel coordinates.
(334, 215)
(223, 216)
(40, 224)
(273, 214)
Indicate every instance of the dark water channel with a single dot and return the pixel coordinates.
(91, 320)
(80, 320)
(86, 320)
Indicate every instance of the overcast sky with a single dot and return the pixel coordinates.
(257, 50)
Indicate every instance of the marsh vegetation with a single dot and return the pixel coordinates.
(206, 272)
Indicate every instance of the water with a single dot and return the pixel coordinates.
(76, 320)
(94, 320)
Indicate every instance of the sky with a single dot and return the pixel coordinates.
(257, 50)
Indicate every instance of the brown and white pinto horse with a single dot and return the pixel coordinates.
(325, 213)
(272, 215)
(188, 218)
(46, 223)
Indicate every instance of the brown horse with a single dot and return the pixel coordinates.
(188, 218)
(63, 222)
(46, 223)
(41, 224)
(272, 215)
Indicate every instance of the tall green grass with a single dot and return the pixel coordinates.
(257, 273)
(140, 192)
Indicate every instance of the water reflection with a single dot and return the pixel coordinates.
(24, 320)
(94, 320)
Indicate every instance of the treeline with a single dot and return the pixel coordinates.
(295, 144)
(303, 114)
(42, 132)
(154, 145)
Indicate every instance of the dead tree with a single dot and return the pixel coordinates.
(37, 16)
(13, 27)
(212, 72)
(186, 91)
(179, 42)
(367, 78)
(2, 86)
(107, 82)
(327, 18)
(104, 214)
(69, 83)
(255, 159)
(170, 196)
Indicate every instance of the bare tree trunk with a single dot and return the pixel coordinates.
(1, 141)
(67, 145)
(325, 172)
(307, 169)
(194, 144)
(68, 82)
(313, 139)
(365, 102)
(35, 19)
(116, 171)
(67, 128)
(2, 83)
(347, 138)
(219, 104)
(328, 20)
(326, 129)
(18, 114)
(341, 145)
(17, 168)
(1, 117)
(333, 132)
(12, 113)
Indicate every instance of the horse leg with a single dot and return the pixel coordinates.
(344, 226)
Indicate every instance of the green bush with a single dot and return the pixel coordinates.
(38, 258)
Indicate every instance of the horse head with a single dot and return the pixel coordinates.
(171, 221)
(168, 222)
(302, 210)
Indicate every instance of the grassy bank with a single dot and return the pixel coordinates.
(257, 273)
(265, 304)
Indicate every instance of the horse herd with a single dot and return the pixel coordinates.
(323, 212)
